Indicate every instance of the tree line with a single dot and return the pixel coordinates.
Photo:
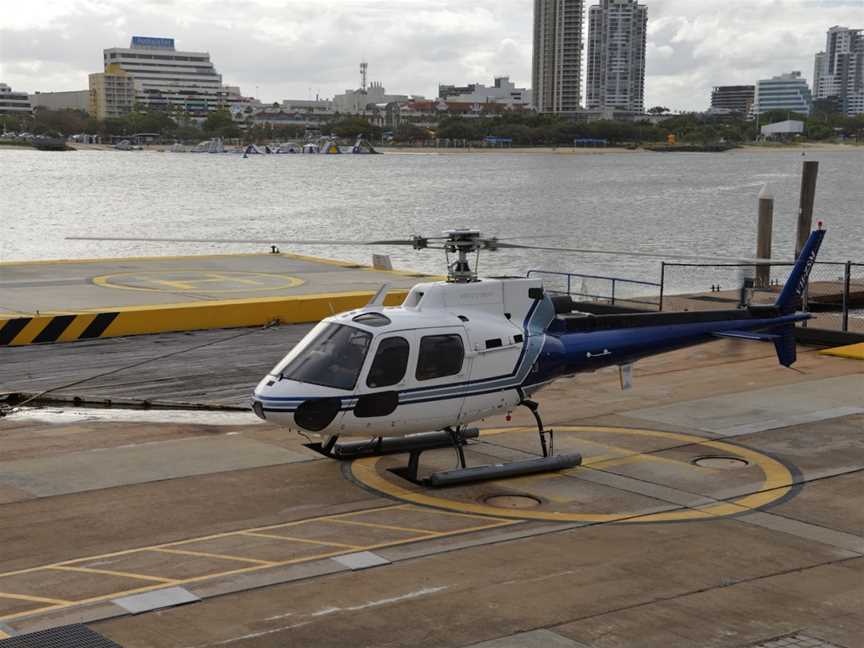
(525, 129)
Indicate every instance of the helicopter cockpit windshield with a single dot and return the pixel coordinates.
(333, 357)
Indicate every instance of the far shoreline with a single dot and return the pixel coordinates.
(814, 147)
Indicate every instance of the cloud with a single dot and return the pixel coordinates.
(289, 48)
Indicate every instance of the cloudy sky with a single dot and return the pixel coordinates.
(279, 49)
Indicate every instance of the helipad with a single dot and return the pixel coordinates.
(762, 480)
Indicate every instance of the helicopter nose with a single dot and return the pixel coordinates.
(285, 403)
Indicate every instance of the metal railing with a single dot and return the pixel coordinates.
(835, 294)
(612, 296)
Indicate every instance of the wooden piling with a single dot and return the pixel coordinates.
(809, 174)
(764, 236)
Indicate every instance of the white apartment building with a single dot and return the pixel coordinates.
(556, 77)
(14, 103)
(617, 32)
(788, 92)
(166, 78)
(503, 91)
(839, 70)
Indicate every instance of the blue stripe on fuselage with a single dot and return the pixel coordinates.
(569, 353)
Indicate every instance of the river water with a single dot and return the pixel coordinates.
(692, 203)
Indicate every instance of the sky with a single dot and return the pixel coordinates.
(297, 49)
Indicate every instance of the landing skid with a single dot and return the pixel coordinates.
(387, 445)
(549, 462)
(417, 444)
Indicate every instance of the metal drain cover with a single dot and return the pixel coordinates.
(721, 463)
(70, 636)
(512, 501)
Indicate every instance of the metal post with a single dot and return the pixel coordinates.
(613, 292)
(847, 286)
(662, 283)
(809, 174)
(764, 236)
(569, 276)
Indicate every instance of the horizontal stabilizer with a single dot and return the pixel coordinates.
(748, 335)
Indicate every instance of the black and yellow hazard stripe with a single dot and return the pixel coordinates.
(41, 329)
(194, 316)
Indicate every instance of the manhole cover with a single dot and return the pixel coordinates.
(512, 501)
(721, 463)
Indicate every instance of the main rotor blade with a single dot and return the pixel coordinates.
(649, 255)
(254, 241)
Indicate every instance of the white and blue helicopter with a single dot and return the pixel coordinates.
(413, 377)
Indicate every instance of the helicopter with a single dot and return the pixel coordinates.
(414, 377)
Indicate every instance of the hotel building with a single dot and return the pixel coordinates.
(166, 78)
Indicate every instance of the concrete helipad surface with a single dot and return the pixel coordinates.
(73, 286)
(719, 505)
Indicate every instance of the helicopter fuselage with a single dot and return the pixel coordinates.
(454, 353)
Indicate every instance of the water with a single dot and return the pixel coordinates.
(694, 203)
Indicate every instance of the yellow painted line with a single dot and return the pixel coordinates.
(111, 572)
(205, 554)
(243, 570)
(777, 482)
(419, 509)
(852, 351)
(292, 539)
(34, 599)
(387, 526)
(191, 285)
(3, 635)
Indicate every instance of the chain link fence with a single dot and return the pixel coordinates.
(835, 294)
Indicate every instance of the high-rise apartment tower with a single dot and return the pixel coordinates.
(557, 71)
(839, 70)
(616, 55)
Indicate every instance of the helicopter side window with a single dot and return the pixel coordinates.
(333, 359)
(390, 364)
(440, 356)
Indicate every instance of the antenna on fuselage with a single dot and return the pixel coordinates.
(378, 298)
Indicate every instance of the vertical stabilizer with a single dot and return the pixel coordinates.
(790, 299)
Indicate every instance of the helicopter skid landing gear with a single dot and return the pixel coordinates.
(465, 475)
(387, 445)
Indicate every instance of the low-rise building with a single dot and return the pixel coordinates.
(362, 101)
(427, 113)
(784, 129)
(503, 91)
(788, 92)
(70, 100)
(14, 103)
(112, 93)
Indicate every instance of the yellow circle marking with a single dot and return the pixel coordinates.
(777, 483)
(199, 281)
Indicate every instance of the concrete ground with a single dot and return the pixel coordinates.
(78, 286)
(719, 505)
